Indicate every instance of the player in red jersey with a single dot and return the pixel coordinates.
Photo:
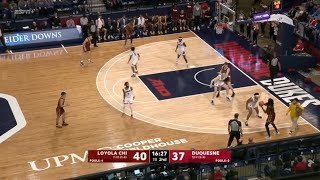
(175, 17)
(129, 33)
(60, 110)
(189, 15)
(163, 24)
(148, 24)
(182, 20)
(225, 69)
(86, 50)
(155, 24)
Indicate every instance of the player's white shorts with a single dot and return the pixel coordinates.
(128, 101)
(250, 105)
(134, 64)
(181, 52)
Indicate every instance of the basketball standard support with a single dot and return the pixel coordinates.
(226, 15)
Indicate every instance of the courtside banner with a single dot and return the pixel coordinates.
(42, 37)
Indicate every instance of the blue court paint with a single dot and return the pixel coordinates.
(307, 96)
(7, 119)
(181, 83)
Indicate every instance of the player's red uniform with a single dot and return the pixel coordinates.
(175, 14)
(189, 11)
(59, 109)
(182, 16)
(86, 46)
(224, 70)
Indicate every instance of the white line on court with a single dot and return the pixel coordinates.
(248, 76)
(199, 130)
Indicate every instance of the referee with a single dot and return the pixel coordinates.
(274, 67)
(235, 130)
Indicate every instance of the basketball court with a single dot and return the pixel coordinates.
(172, 107)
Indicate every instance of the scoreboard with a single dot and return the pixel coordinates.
(159, 156)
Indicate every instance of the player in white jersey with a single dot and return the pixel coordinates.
(128, 97)
(252, 103)
(134, 58)
(217, 83)
(181, 50)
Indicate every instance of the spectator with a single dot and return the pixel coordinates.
(255, 34)
(93, 32)
(13, 7)
(70, 22)
(110, 29)
(218, 174)
(2, 40)
(249, 27)
(300, 166)
(275, 31)
(175, 17)
(197, 14)
(34, 26)
(316, 12)
(43, 7)
(235, 130)
(123, 22)
(182, 20)
(250, 140)
(208, 17)
(299, 46)
(101, 30)
(22, 4)
(33, 6)
(45, 25)
(241, 18)
(84, 21)
(316, 165)
(141, 25)
(55, 21)
(232, 174)
(189, 15)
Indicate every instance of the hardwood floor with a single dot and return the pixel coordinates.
(37, 78)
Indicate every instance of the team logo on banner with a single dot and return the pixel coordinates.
(11, 117)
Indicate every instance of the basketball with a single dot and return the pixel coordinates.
(261, 103)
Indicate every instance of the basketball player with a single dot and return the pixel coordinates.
(128, 97)
(175, 17)
(155, 24)
(181, 47)
(60, 110)
(163, 24)
(134, 58)
(129, 33)
(271, 117)
(252, 103)
(148, 24)
(227, 78)
(217, 82)
(86, 50)
(182, 20)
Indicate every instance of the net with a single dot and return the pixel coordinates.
(226, 14)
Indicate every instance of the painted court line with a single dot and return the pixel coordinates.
(249, 77)
(177, 127)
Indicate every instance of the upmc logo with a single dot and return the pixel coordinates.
(11, 117)
(160, 87)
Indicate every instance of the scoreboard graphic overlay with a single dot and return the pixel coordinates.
(159, 156)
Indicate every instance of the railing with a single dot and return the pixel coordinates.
(248, 161)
